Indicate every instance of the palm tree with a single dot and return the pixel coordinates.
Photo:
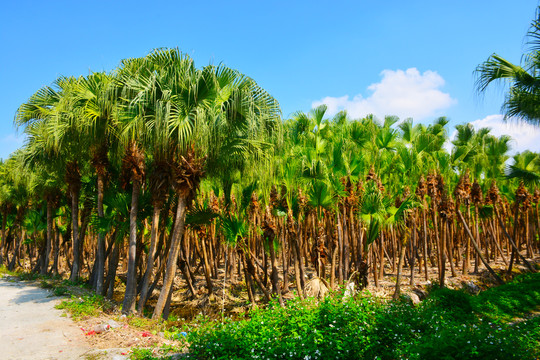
(523, 98)
(53, 117)
(214, 118)
(526, 167)
(5, 204)
(97, 96)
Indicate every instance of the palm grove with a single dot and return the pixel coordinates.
(127, 177)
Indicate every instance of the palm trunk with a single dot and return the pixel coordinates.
(514, 247)
(3, 242)
(249, 285)
(100, 256)
(56, 251)
(449, 246)
(75, 267)
(397, 291)
(254, 273)
(178, 233)
(478, 251)
(128, 306)
(425, 244)
(284, 259)
(207, 268)
(298, 260)
(514, 235)
(274, 277)
(299, 288)
(150, 258)
(45, 264)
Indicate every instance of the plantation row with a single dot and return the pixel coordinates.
(159, 166)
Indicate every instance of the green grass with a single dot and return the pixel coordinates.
(4, 271)
(512, 300)
(84, 306)
(450, 324)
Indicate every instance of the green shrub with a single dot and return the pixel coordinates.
(60, 291)
(450, 324)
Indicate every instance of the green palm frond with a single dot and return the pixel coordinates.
(200, 215)
(486, 211)
(373, 230)
(527, 176)
(320, 196)
(247, 191)
(398, 215)
(234, 228)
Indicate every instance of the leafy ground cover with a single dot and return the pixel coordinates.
(450, 324)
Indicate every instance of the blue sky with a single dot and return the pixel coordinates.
(406, 58)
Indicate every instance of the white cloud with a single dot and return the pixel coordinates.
(403, 93)
(524, 136)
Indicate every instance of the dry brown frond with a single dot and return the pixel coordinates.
(132, 165)
(73, 176)
(493, 196)
(421, 188)
(536, 196)
(274, 202)
(462, 192)
(476, 193)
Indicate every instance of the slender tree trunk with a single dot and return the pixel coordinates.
(340, 249)
(45, 266)
(299, 288)
(178, 233)
(207, 268)
(449, 246)
(75, 267)
(150, 258)
(425, 244)
(397, 291)
(100, 256)
(3, 242)
(514, 235)
(301, 285)
(274, 277)
(249, 285)
(475, 245)
(128, 306)
(489, 230)
(284, 259)
(56, 251)
(514, 247)
(255, 275)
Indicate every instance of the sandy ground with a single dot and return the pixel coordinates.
(31, 328)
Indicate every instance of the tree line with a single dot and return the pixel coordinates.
(159, 166)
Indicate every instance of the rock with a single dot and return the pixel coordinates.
(98, 329)
(421, 293)
(471, 287)
(415, 299)
(119, 357)
(350, 291)
(113, 324)
(316, 288)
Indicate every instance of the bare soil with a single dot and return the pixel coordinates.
(32, 328)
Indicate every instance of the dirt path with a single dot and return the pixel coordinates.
(31, 328)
